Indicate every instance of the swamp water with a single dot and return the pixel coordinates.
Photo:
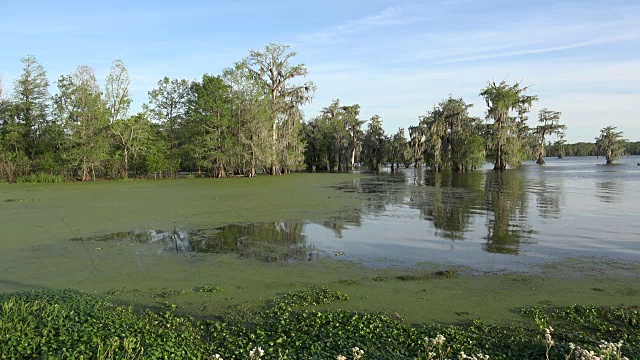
(486, 221)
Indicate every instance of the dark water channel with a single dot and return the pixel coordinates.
(488, 221)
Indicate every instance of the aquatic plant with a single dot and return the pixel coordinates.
(300, 325)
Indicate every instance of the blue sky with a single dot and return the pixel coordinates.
(394, 58)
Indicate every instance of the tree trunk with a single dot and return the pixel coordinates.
(85, 170)
(126, 163)
(221, 172)
(353, 159)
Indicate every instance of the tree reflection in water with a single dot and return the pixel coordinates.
(506, 205)
(449, 202)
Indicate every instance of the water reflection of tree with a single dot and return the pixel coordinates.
(549, 198)
(345, 220)
(380, 190)
(449, 201)
(241, 236)
(609, 191)
(506, 204)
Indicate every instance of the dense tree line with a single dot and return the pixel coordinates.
(248, 120)
(633, 148)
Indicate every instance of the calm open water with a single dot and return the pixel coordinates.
(495, 221)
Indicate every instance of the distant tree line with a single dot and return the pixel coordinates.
(560, 149)
(248, 119)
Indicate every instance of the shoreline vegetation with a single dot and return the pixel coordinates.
(248, 120)
(73, 324)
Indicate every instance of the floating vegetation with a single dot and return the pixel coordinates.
(22, 200)
(116, 292)
(348, 282)
(315, 296)
(380, 278)
(208, 289)
(170, 293)
(443, 274)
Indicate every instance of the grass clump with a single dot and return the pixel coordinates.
(39, 178)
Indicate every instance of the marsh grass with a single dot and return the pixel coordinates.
(40, 178)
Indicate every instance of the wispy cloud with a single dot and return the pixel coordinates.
(395, 15)
(543, 50)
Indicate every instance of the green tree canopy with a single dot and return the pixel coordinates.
(507, 107)
(611, 144)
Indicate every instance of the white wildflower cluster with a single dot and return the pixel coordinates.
(606, 351)
(463, 356)
(256, 353)
(548, 340)
(217, 357)
(437, 341)
(547, 337)
(356, 352)
(433, 347)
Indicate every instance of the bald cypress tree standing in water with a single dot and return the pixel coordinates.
(611, 144)
(374, 149)
(549, 125)
(507, 106)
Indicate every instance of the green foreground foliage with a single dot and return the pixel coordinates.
(73, 324)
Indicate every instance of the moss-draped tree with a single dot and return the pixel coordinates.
(273, 66)
(507, 107)
(549, 125)
(611, 144)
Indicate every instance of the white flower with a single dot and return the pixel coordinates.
(341, 357)
(217, 357)
(357, 353)
(256, 353)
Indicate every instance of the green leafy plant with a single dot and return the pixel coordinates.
(298, 325)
